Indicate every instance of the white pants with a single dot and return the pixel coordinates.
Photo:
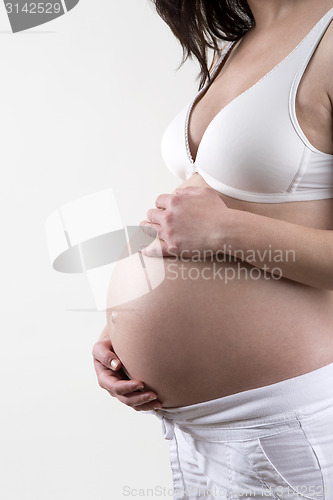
(275, 442)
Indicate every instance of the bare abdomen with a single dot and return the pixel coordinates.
(199, 336)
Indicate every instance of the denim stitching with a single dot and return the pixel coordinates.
(315, 454)
(217, 440)
(262, 421)
(229, 470)
(300, 495)
(306, 418)
(261, 480)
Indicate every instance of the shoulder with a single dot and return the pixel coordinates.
(217, 56)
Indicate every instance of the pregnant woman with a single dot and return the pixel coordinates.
(234, 349)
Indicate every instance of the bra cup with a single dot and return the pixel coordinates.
(254, 148)
(247, 150)
(173, 148)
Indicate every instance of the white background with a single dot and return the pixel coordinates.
(84, 101)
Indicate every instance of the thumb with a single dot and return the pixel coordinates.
(115, 363)
(102, 353)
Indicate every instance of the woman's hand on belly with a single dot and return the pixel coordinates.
(189, 221)
(112, 378)
(195, 220)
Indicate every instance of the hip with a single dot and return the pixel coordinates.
(274, 441)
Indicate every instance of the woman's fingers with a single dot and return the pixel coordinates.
(148, 406)
(102, 352)
(126, 391)
(139, 398)
(112, 379)
(141, 401)
(149, 228)
(155, 215)
(114, 382)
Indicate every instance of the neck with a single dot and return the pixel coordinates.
(268, 13)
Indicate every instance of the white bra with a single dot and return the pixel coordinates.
(254, 148)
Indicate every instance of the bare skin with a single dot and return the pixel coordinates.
(308, 346)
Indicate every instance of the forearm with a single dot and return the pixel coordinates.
(300, 253)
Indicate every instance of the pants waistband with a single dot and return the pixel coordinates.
(311, 391)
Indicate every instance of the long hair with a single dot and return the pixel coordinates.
(200, 25)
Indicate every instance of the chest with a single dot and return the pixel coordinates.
(261, 129)
(242, 72)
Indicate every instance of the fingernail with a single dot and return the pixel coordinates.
(139, 387)
(152, 397)
(114, 364)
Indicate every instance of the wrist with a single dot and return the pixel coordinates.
(238, 225)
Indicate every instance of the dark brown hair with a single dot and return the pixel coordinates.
(199, 25)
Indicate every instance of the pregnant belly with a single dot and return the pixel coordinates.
(212, 328)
